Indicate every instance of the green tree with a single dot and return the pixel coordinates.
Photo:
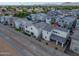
(21, 14)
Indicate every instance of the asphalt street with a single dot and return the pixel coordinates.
(25, 45)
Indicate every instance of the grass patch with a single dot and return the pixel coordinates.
(19, 30)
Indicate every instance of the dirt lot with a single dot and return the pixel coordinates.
(6, 49)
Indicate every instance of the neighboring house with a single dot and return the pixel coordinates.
(35, 29)
(49, 19)
(60, 35)
(2, 19)
(18, 22)
(66, 22)
(6, 19)
(75, 42)
(31, 17)
(41, 17)
(26, 26)
(46, 32)
(77, 24)
(32, 30)
(54, 13)
(75, 12)
(11, 21)
(37, 17)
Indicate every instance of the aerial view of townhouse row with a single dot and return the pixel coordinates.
(57, 28)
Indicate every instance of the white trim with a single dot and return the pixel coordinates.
(56, 42)
(62, 45)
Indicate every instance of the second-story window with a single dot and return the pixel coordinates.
(45, 36)
(26, 26)
(31, 28)
(47, 32)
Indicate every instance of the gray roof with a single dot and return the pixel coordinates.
(67, 18)
(58, 38)
(43, 26)
(28, 23)
(17, 21)
(48, 27)
(41, 14)
(7, 18)
(40, 25)
(38, 16)
(24, 22)
(62, 29)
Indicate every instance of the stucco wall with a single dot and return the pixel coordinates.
(34, 30)
(46, 35)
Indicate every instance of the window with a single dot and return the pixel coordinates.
(10, 24)
(32, 33)
(31, 28)
(27, 31)
(56, 32)
(26, 26)
(47, 32)
(62, 21)
(59, 20)
(76, 49)
(45, 37)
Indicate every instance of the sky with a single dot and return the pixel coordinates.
(39, 3)
(28, 3)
